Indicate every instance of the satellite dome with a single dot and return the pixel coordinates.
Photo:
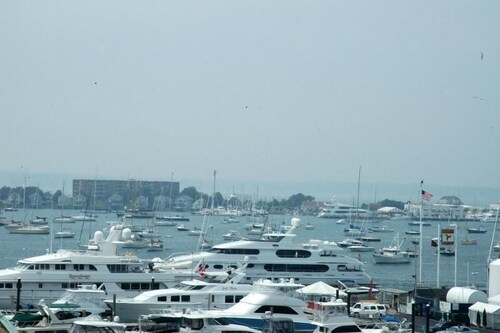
(295, 222)
(127, 233)
(98, 237)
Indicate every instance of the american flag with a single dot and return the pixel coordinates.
(201, 269)
(426, 195)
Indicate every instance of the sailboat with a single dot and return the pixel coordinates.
(170, 219)
(63, 218)
(412, 231)
(205, 239)
(467, 241)
(477, 230)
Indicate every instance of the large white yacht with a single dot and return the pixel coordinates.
(342, 211)
(276, 256)
(192, 294)
(48, 276)
(267, 297)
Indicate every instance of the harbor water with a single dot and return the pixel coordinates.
(471, 268)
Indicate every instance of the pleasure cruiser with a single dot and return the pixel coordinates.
(275, 255)
(48, 276)
(342, 211)
(266, 297)
(192, 294)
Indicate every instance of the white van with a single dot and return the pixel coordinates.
(368, 310)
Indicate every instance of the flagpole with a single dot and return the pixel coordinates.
(455, 234)
(438, 255)
(420, 254)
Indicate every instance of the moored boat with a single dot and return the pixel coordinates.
(210, 292)
(172, 218)
(477, 230)
(100, 263)
(392, 254)
(277, 255)
(30, 229)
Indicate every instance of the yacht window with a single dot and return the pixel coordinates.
(175, 298)
(349, 268)
(235, 251)
(92, 268)
(78, 267)
(60, 267)
(218, 267)
(126, 286)
(72, 285)
(183, 286)
(197, 287)
(135, 286)
(197, 324)
(327, 253)
(229, 299)
(276, 309)
(185, 298)
(296, 268)
(118, 268)
(145, 286)
(293, 254)
(162, 298)
(238, 298)
(346, 329)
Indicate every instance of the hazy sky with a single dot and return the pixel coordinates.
(261, 91)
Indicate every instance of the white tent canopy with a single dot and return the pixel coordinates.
(389, 210)
(320, 289)
(492, 314)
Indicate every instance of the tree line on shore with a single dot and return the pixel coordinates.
(34, 197)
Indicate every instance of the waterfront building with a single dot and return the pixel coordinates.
(447, 208)
(116, 194)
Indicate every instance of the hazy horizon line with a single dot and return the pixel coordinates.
(342, 191)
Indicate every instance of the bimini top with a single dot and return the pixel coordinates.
(465, 295)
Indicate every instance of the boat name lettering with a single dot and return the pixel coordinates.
(79, 276)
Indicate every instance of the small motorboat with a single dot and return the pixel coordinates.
(309, 226)
(182, 227)
(64, 234)
(468, 241)
(444, 251)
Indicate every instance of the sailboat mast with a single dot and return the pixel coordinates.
(438, 255)
(213, 192)
(455, 239)
(421, 238)
(170, 198)
(357, 200)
